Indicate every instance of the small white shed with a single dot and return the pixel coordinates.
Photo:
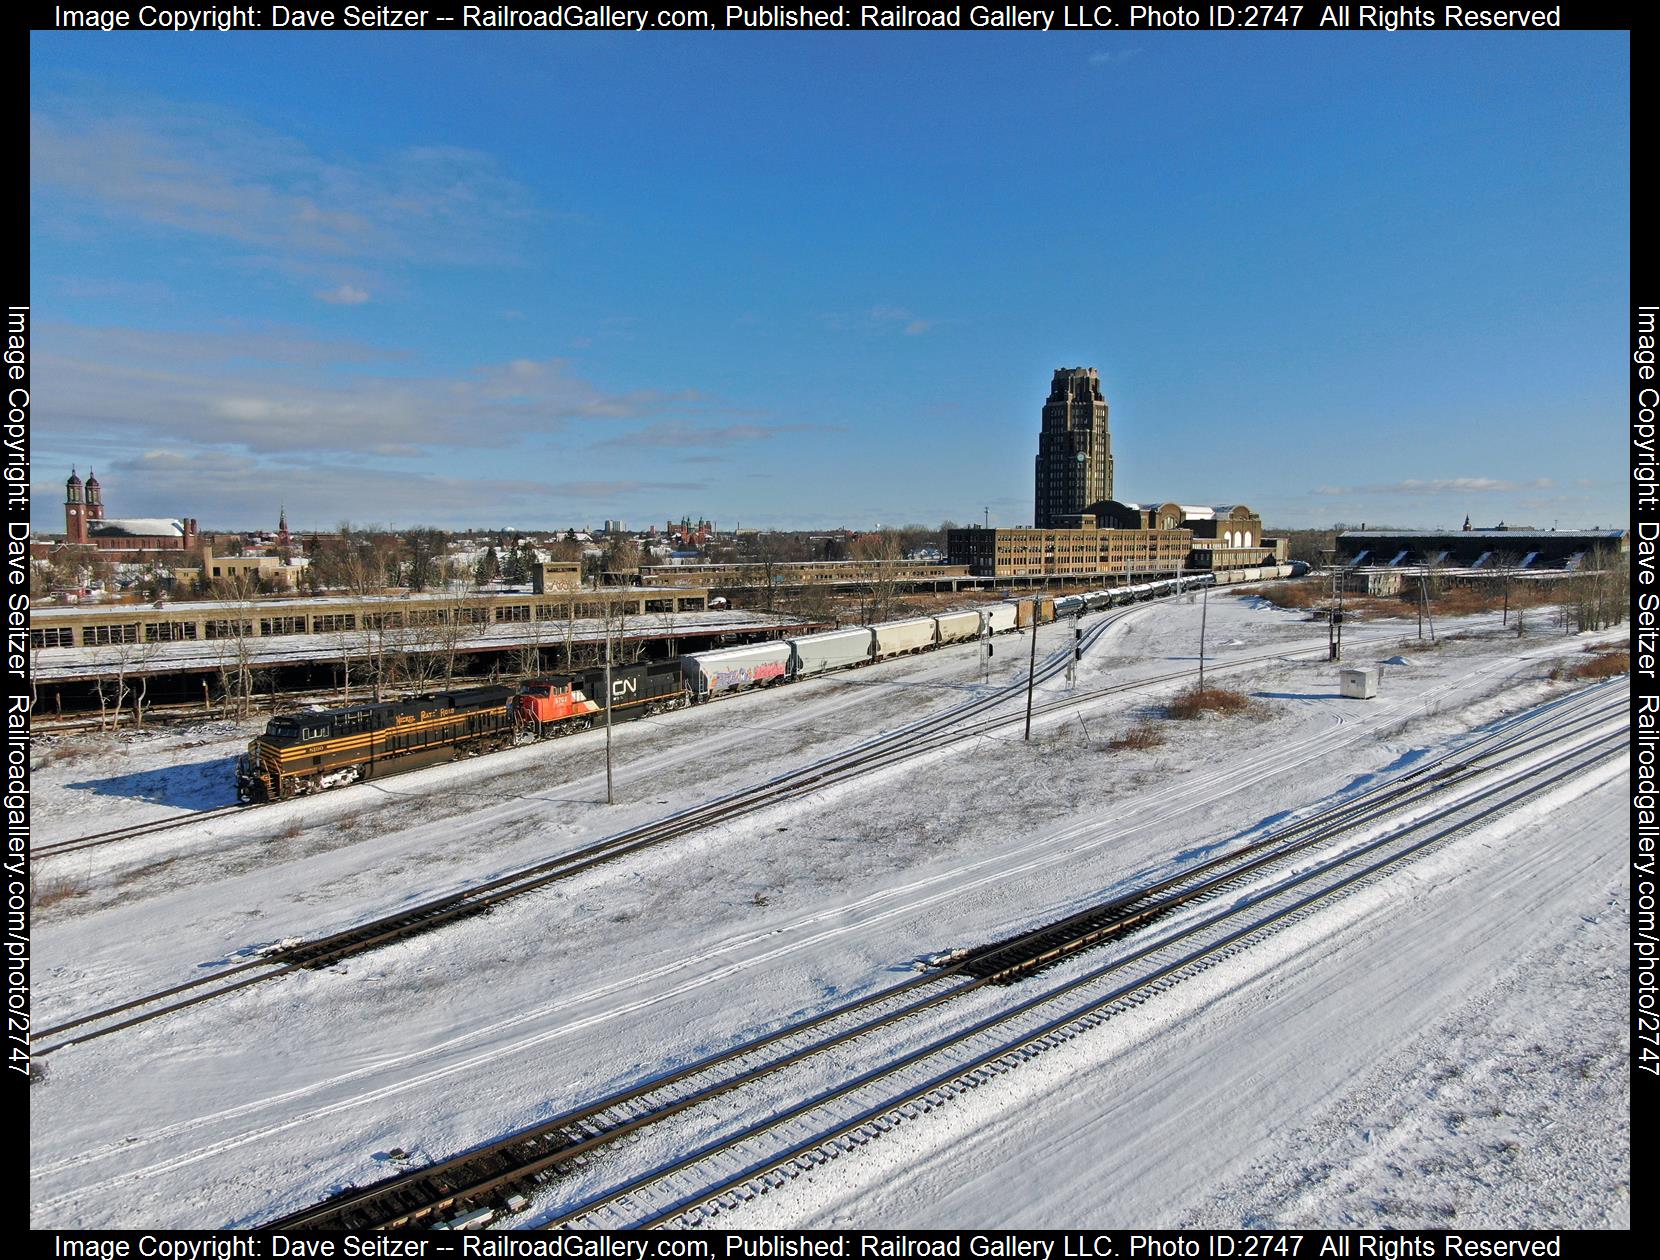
(1358, 684)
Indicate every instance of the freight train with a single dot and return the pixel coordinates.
(308, 752)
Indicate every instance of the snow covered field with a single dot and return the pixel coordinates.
(261, 1102)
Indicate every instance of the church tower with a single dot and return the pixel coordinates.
(1074, 461)
(94, 497)
(74, 510)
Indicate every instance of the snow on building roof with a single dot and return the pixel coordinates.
(61, 665)
(1511, 534)
(1193, 512)
(136, 527)
(289, 604)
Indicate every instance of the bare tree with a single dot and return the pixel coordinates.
(1599, 593)
(1432, 566)
(614, 615)
(761, 570)
(878, 557)
(377, 633)
(130, 659)
(527, 657)
(1506, 564)
(236, 674)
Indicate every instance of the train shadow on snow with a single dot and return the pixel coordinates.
(199, 785)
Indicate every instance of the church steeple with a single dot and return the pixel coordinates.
(74, 510)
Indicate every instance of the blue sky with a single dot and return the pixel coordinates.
(821, 280)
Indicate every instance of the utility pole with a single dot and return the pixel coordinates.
(1077, 652)
(1031, 671)
(1331, 613)
(1339, 619)
(610, 797)
(1204, 610)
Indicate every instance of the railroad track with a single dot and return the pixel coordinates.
(918, 738)
(474, 900)
(925, 736)
(766, 1155)
(1047, 669)
(517, 1163)
(118, 834)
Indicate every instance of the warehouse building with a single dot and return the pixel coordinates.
(1081, 531)
(1527, 550)
(1128, 541)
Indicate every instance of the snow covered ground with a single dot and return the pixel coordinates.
(263, 1101)
(1446, 1051)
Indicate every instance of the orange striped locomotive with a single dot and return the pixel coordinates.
(303, 753)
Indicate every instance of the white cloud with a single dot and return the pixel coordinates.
(290, 394)
(1112, 57)
(345, 295)
(676, 433)
(228, 490)
(1439, 485)
(209, 171)
(882, 320)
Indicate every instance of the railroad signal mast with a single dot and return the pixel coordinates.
(1204, 610)
(1334, 612)
(610, 795)
(1031, 669)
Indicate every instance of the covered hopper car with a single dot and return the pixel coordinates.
(307, 752)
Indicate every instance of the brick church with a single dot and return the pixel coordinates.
(125, 540)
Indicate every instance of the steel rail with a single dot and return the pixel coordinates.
(575, 1135)
(1531, 785)
(876, 754)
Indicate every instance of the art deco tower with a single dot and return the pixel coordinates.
(1074, 462)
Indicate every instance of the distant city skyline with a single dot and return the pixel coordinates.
(801, 281)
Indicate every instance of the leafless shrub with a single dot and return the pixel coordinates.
(63, 752)
(44, 893)
(1292, 594)
(1602, 665)
(1141, 736)
(1195, 702)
